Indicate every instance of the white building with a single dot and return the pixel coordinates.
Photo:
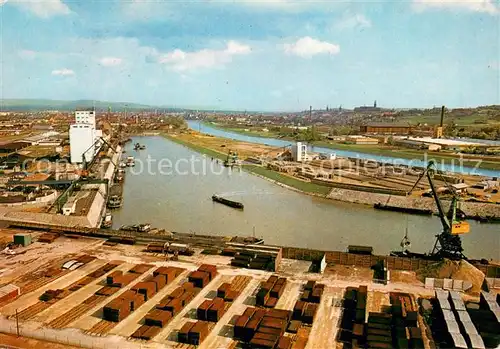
(81, 140)
(83, 136)
(299, 152)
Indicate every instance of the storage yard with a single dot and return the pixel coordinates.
(122, 296)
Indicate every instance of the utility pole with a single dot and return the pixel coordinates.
(17, 323)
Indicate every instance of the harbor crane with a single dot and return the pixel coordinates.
(448, 243)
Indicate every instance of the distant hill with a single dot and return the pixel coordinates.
(50, 104)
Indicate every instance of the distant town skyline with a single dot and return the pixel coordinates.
(280, 55)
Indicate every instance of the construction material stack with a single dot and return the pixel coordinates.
(193, 332)
(487, 319)
(254, 256)
(211, 310)
(119, 308)
(263, 328)
(405, 331)
(445, 329)
(305, 309)
(162, 314)
(380, 322)
(352, 322)
(270, 291)
(201, 277)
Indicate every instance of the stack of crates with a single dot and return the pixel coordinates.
(270, 291)
(193, 332)
(211, 310)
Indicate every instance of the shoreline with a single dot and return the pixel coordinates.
(396, 152)
(473, 210)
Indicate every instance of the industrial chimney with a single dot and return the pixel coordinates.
(442, 116)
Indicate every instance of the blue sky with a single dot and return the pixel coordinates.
(254, 55)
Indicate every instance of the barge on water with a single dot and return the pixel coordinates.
(230, 203)
(421, 211)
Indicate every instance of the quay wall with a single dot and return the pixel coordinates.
(367, 261)
(471, 209)
(363, 188)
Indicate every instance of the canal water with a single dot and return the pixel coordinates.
(179, 199)
(204, 128)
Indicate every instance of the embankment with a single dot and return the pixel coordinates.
(471, 209)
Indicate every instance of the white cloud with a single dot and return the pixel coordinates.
(43, 8)
(27, 54)
(355, 21)
(110, 61)
(184, 61)
(307, 47)
(63, 72)
(485, 6)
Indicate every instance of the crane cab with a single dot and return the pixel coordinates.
(459, 228)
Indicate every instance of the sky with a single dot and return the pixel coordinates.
(279, 55)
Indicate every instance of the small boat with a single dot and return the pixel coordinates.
(230, 203)
(115, 201)
(142, 147)
(142, 228)
(123, 165)
(107, 222)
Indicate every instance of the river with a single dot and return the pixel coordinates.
(180, 201)
(204, 128)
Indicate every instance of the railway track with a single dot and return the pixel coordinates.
(76, 312)
(101, 328)
(31, 311)
(33, 285)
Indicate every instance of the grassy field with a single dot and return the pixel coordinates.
(275, 176)
(292, 182)
(197, 148)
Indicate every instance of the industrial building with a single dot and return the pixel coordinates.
(361, 140)
(83, 136)
(385, 128)
(299, 152)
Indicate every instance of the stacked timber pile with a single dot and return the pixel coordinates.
(263, 328)
(352, 323)
(211, 310)
(193, 332)
(405, 331)
(306, 307)
(172, 304)
(201, 277)
(48, 237)
(270, 291)
(254, 256)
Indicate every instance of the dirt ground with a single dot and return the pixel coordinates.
(11, 341)
(324, 329)
(223, 145)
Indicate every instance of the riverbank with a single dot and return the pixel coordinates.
(333, 191)
(275, 177)
(380, 150)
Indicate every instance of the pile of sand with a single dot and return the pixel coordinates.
(457, 270)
